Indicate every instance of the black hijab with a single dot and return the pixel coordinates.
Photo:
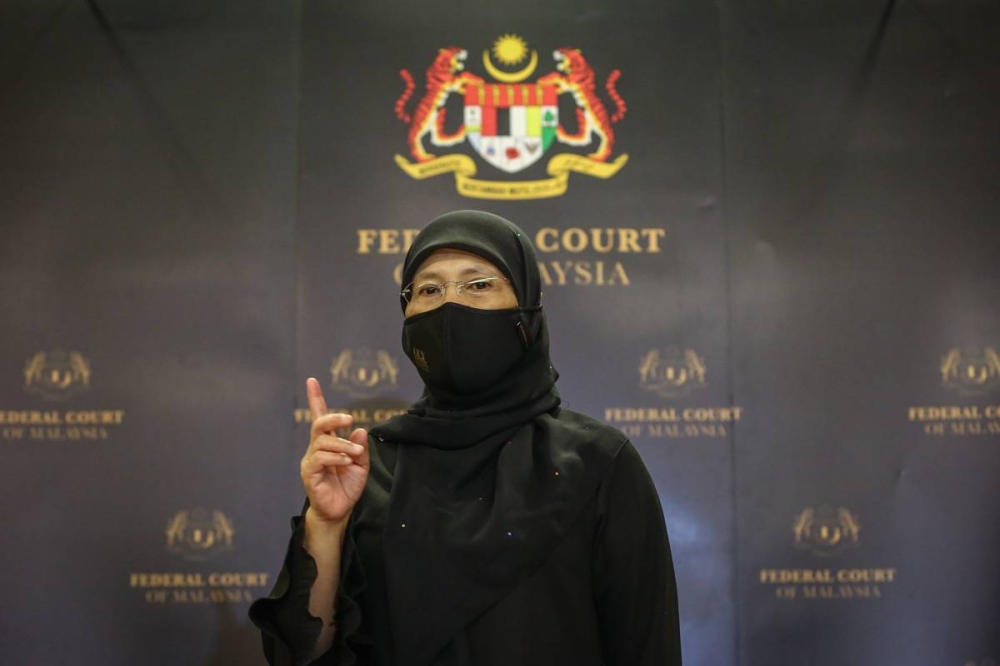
(483, 486)
(530, 385)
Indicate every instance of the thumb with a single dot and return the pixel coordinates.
(360, 436)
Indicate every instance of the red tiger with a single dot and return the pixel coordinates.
(577, 77)
(443, 79)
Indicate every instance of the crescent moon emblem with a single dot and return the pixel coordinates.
(513, 77)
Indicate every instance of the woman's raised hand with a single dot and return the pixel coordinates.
(334, 470)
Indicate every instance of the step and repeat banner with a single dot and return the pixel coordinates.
(768, 241)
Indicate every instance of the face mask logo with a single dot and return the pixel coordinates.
(458, 349)
(420, 360)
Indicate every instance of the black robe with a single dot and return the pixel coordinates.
(601, 591)
(495, 527)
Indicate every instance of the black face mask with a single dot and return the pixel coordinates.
(459, 349)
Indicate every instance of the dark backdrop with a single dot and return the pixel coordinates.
(780, 281)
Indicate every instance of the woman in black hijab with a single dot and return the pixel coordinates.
(487, 525)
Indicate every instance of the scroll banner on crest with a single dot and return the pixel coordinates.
(559, 167)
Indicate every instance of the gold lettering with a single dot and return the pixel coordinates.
(408, 236)
(542, 242)
(166, 580)
(197, 580)
(628, 240)
(30, 418)
(388, 241)
(188, 596)
(785, 592)
(934, 428)
(385, 241)
(365, 239)
(544, 273)
(721, 414)
(654, 236)
(609, 242)
(106, 417)
(598, 239)
(663, 430)
(574, 240)
(966, 428)
(618, 273)
(560, 273)
(866, 575)
(237, 579)
(785, 576)
(618, 414)
(944, 413)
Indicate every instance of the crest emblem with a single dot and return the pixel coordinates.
(825, 531)
(362, 372)
(420, 359)
(510, 122)
(199, 535)
(972, 370)
(672, 372)
(57, 374)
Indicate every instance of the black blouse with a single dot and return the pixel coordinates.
(606, 595)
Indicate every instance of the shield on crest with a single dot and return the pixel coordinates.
(511, 125)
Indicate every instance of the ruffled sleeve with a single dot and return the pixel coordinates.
(289, 631)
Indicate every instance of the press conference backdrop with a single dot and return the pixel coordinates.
(769, 244)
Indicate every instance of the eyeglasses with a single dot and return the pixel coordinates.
(430, 293)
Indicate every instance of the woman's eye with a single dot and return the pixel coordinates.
(480, 285)
(426, 290)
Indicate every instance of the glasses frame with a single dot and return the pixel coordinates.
(407, 293)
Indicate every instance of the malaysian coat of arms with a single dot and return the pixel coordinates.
(510, 122)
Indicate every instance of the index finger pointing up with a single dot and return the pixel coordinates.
(317, 405)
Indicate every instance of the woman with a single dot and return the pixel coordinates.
(487, 525)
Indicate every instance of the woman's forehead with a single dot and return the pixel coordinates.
(451, 260)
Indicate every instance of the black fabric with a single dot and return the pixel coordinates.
(484, 234)
(464, 527)
(605, 595)
(476, 504)
(457, 420)
(470, 494)
(280, 616)
(446, 345)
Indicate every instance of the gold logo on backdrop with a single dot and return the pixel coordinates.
(420, 359)
(826, 530)
(511, 122)
(57, 374)
(972, 371)
(199, 534)
(672, 372)
(362, 372)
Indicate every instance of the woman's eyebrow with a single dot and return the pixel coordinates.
(432, 274)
